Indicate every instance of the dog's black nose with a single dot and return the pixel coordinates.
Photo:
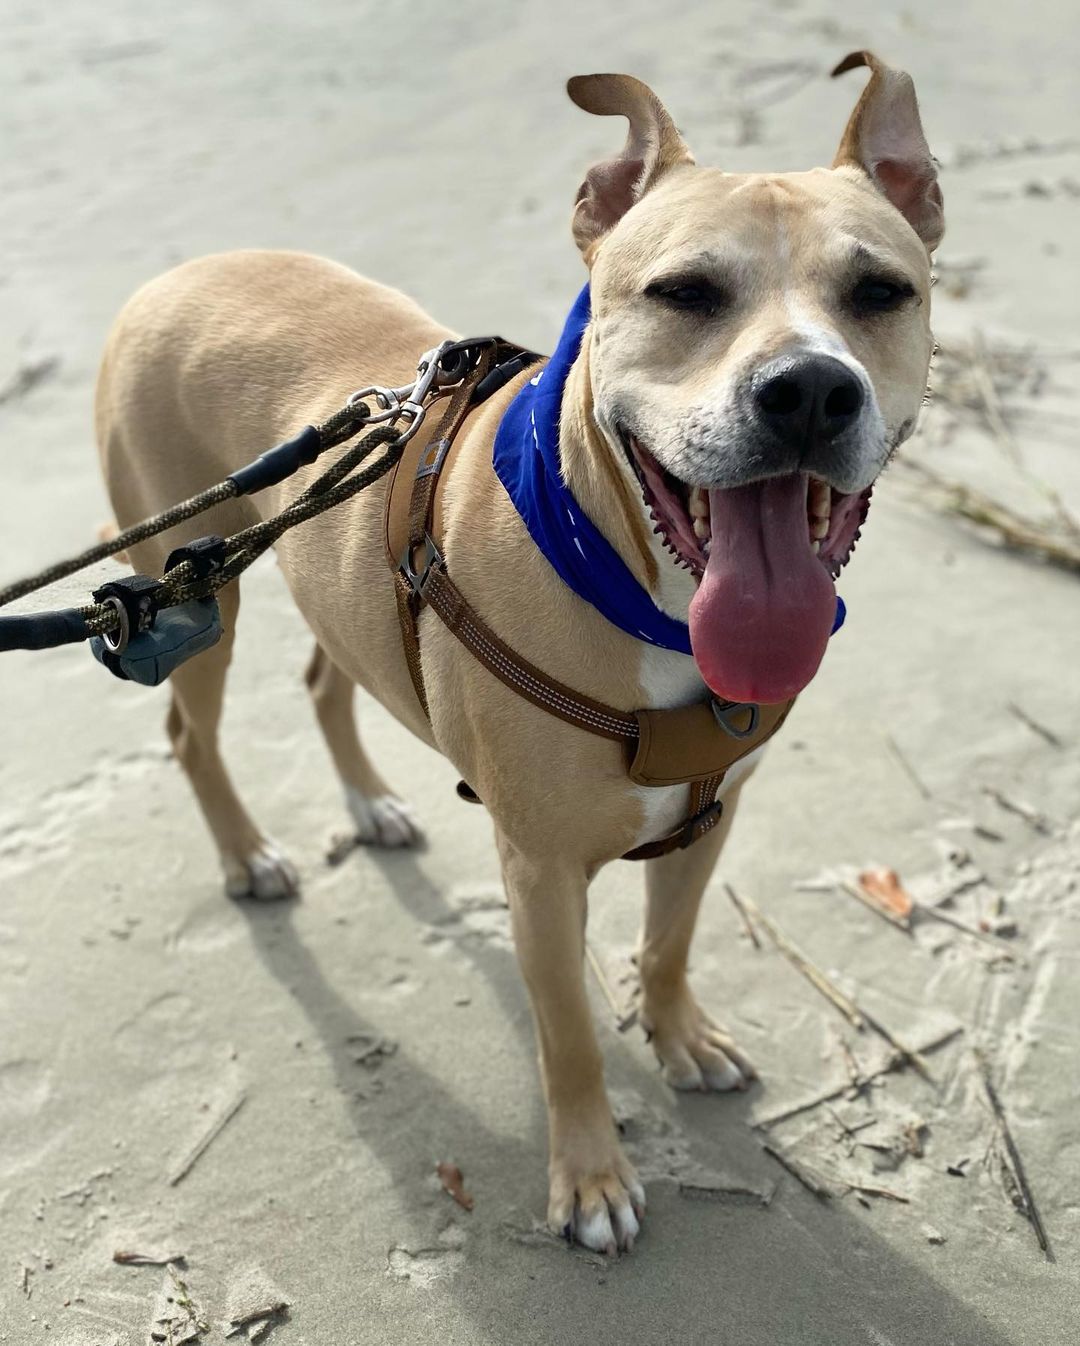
(807, 399)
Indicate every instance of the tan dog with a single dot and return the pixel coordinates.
(758, 347)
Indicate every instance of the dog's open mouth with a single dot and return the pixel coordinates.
(765, 556)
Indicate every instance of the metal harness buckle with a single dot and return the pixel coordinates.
(725, 711)
(418, 579)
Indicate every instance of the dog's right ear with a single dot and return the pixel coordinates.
(653, 145)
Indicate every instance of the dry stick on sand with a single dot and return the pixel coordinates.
(1035, 727)
(147, 1259)
(868, 1190)
(894, 1062)
(921, 910)
(1030, 1208)
(809, 970)
(995, 418)
(906, 767)
(1025, 811)
(1013, 529)
(748, 926)
(209, 1136)
(624, 1018)
(994, 942)
(809, 1180)
(855, 1014)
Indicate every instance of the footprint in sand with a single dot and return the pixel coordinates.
(213, 926)
(26, 1128)
(25, 1087)
(169, 1028)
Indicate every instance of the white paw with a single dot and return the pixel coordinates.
(602, 1212)
(383, 820)
(266, 874)
(694, 1053)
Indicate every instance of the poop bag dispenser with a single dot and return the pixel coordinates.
(177, 634)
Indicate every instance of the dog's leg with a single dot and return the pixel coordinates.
(381, 818)
(595, 1197)
(253, 865)
(693, 1051)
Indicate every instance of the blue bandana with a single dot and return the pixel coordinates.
(526, 461)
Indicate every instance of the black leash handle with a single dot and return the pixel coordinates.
(43, 630)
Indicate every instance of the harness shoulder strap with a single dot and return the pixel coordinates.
(693, 745)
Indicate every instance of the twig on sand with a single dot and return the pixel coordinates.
(709, 1188)
(810, 1180)
(207, 1139)
(919, 910)
(855, 1014)
(895, 1061)
(982, 370)
(856, 1076)
(736, 902)
(1013, 529)
(867, 1190)
(994, 942)
(1034, 725)
(1030, 815)
(906, 767)
(624, 1018)
(813, 974)
(27, 376)
(1030, 1208)
(147, 1259)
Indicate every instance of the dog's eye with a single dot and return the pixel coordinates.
(875, 294)
(699, 295)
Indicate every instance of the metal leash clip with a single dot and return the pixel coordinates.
(411, 398)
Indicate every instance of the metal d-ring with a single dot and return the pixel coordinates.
(117, 640)
(725, 710)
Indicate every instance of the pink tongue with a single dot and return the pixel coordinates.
(762, 615)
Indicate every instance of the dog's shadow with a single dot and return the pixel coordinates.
(800, 1273)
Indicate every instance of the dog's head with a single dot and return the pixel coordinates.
(759, 346)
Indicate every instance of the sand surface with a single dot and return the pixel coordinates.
(379, 1026)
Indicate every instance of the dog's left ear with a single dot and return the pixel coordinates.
(884, 137)
(653, 145)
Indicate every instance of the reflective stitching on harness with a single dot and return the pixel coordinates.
(543, 693)
(443, 603)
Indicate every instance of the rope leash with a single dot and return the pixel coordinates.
(273, 467)
(196, 572)
(183, 582)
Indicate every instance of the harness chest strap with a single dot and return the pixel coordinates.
(693, 745)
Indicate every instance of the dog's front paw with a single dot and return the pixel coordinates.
(693, 1051)
(265, 874)
(383, 820)
(599, 1204)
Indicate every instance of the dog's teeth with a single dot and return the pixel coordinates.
(701, 528)
(820, 500)
(819, 528)
(815, 547)
(699, 503)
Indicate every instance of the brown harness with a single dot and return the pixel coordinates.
(690, 745)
